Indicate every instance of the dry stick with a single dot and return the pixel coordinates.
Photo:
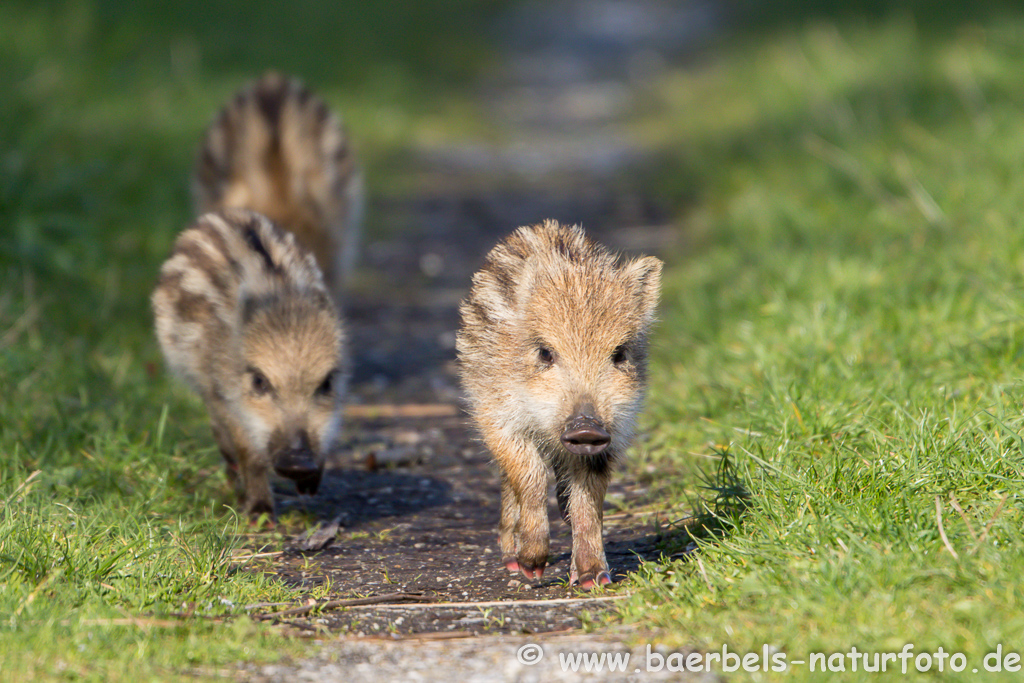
(984, 533)
(942, 532)
(455, 635)
(439, 635)
(924, 202)
(352, 602)
(261, 605)
(847, 164)
(956, 506)
(126, 621)
(20, 325)
(667, 514)
(246, 558)
(401, 410)
(704, 574)
(131, 621)
(505, 603)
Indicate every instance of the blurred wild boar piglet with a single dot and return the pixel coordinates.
(276, 148)
(553, 356)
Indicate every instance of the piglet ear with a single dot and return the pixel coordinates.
(645, 272)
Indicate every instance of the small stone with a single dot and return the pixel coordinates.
(515, 583)
(431, 264)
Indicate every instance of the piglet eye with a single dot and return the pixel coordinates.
(260, 383)
(619, 355)
(327, 386)
(545, 355)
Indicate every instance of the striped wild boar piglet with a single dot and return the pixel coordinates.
(244, 318)
(553, 357)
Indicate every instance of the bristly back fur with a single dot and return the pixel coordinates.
(277, 148)
(220, 267)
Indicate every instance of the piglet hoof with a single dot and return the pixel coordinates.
(259, 508)
(511, 564)
(532, 572)
(589, 581)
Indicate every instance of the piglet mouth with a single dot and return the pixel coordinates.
(302, 468)
(585, 435)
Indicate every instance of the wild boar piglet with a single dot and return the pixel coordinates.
(553, 357)
(244, 318)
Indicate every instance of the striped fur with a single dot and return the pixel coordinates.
(276, 148)
(244, 318)
(553, 348)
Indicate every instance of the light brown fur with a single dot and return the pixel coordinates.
(276, 148)
(553, 356)
(244, 318)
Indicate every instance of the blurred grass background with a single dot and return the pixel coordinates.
(843, 318)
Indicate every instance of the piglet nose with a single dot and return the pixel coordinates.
(584, 435)
(302, 467)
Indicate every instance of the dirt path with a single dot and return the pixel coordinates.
(415, 496)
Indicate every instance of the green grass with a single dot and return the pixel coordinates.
(847, 325)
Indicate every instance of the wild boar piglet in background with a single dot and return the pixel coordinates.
(276, 148)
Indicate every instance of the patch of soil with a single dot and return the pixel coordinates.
(428, 526)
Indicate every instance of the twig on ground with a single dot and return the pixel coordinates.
(129, 621)
(25, 483)
(452, 635)
(351, 602)
(700, 565)
(984, 533)
(956, 506)
(254, 556)
(505, 603)
(649, 512)
(24, 322)
(261, 605)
